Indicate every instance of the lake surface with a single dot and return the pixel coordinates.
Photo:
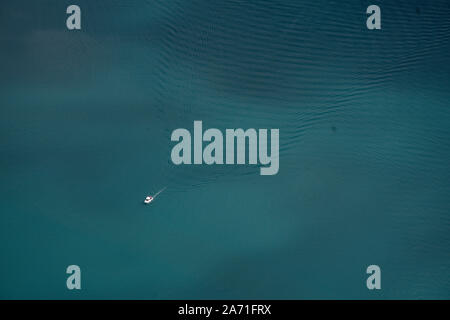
(85, 124)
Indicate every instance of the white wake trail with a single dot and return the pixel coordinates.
(159, 192)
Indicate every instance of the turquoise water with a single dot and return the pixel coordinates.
(85, 124)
